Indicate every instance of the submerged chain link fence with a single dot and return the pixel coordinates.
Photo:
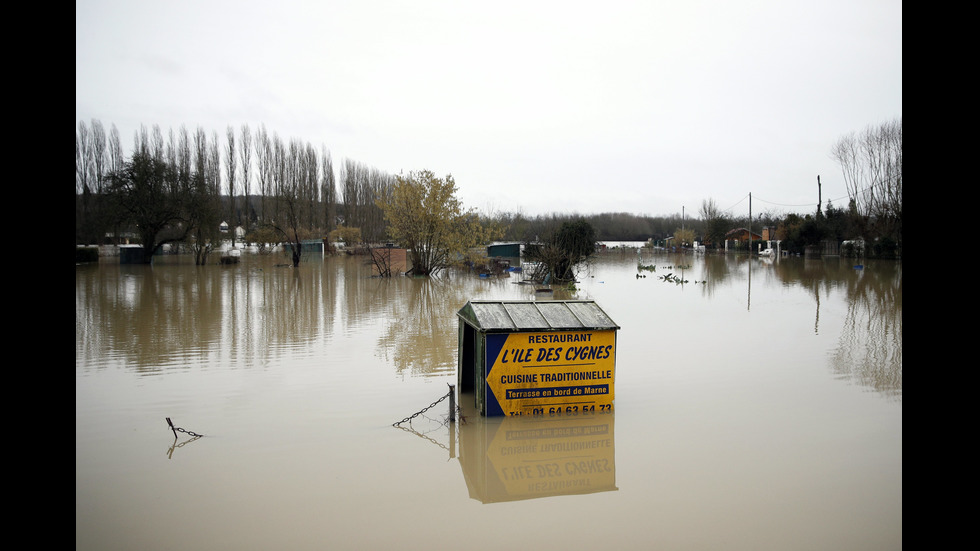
(178, 429)
(452, 408)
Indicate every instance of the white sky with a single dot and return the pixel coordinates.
(647, 107)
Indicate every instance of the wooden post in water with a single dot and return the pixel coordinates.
(452, 403)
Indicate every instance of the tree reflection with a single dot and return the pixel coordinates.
(869, 349)
(870, 344)
(420, 338)
(167, 316)
(422, 333)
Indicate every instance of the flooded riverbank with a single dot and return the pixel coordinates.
(758, 406)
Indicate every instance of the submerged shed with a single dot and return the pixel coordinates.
(509, 250)
(535, 357)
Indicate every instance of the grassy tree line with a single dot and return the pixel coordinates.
(711, 226)
(619, 226)
(178, 188)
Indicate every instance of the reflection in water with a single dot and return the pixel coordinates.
(149, 318)
(869, 348)
(176, 444)
(421, 314)
(514, 458)
(161, 317)
(526, 457)
(419, 326)
(870, 344)
(755, 423)
(167, 316)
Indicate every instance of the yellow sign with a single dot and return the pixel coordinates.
(550, 372)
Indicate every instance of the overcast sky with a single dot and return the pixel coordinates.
(647, 107)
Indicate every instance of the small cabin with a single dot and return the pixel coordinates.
(506, 250)
(537, 357)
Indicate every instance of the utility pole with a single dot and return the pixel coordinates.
(819, 198)
(750, 222)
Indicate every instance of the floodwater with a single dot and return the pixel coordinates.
(758, 406)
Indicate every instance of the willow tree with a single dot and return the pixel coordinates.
(425, 216)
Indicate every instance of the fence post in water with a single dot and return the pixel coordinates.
(452, 403)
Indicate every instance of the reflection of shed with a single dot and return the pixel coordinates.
(530, 357)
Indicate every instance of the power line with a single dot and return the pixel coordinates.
(783, 204)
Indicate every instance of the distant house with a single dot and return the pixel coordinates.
(224, 227)
(742, 234)
(739, 238)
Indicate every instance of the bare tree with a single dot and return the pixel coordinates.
(214, 165)
(363, 189)
(284, 212)
(203, 192)
(183, 158)
(379, 193)
(115, 152)
(328, 191)
(98, 152)
(83, 160)
(83, 184)
(231, 168)
(871, 164)
(350, 193)
(115, 160)
(310, 186)
(265, 157)
(245, 149)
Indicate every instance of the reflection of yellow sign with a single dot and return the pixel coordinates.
(550, 372)
(567, 456)
(533, 457)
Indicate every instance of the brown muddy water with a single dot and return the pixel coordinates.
(757, 406)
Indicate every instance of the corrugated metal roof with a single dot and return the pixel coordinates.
(552, 315)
